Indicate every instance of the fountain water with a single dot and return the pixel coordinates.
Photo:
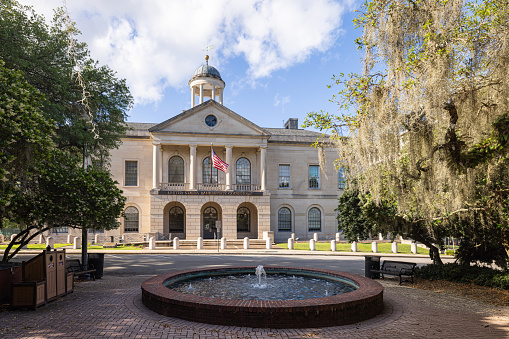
(259, 272)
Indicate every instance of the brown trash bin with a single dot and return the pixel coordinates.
(29, 294)
(61, 273)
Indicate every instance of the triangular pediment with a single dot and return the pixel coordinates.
(194, 121)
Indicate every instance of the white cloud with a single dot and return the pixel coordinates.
(159, 43)
(278, 100)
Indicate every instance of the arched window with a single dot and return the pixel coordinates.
(243, 171)
(176, 219)
(243, 220)
(314, 219)
(131, 219)
(176, 169)
(206, 172)
(284, 220)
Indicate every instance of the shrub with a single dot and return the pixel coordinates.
(483, 276)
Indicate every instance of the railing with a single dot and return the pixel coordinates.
(174, 186)
(246, 187)
(211, 187)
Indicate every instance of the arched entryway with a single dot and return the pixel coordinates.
(211, 217)
(174, 220)
(247, 221)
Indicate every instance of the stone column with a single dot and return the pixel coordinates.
(263, 167)
(155, 166)
(246, 243)
(213, 92)
(199, 243)
(70, 238)
(152, 243)
(333, 245)
(413, 248)
(394, 247)
(290, 243)
(223, 243)
(338, 237)
(221, 96)
(312, 245)
(315, 236)
(229, 169)
(201, 93)
(192, 97)
(192, 167)
(268, 243)
(374, 247)
(77, 243)
(160, 165)
(176, 243)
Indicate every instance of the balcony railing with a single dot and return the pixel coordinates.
(174, 186)
(211, 187)
(246, 187)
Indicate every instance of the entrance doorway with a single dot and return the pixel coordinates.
(209, 223)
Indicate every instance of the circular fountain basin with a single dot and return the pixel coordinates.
(364, 302)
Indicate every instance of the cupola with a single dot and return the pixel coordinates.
(206, 82)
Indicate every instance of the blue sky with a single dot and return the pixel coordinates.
(276, 56)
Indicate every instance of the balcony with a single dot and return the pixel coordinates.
(207, 188)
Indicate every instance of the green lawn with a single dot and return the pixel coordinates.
(361, 247)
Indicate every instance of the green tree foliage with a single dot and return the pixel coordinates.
(65, 194)
(42, 133)
(25, 135)
(40, 51)
(428, 119)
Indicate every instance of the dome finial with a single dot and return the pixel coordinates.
(207, 59)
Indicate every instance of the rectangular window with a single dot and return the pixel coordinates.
(63, 229)
(131, 173)
(341, 178)
(284, 176)
(314, 176)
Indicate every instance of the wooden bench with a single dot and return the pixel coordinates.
(75, 266)
(399, 268)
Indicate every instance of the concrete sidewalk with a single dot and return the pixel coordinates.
(273, 251)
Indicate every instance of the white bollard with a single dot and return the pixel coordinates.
(268, 243)
(380, 236)
(413, 248)
(199, 243)
(176, 243)
(152, 243)
(338, 237)
(293, 236)
(374, 247)
(312, 245)
(41, 239)
(333, 245)
(77, 243)
(70, 238)
(50, 241)
(223, 243)
(97, 238)
(246, 243)
(290, 243)
(315, 237)
(124, 238)
(394, 247)
(354, 246)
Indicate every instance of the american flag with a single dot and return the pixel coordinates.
(217, 162)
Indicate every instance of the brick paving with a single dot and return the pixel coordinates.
(112, 307)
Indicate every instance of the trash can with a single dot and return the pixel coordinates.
(371, 263)
(97, 260)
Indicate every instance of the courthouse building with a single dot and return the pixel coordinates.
(274, 181)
